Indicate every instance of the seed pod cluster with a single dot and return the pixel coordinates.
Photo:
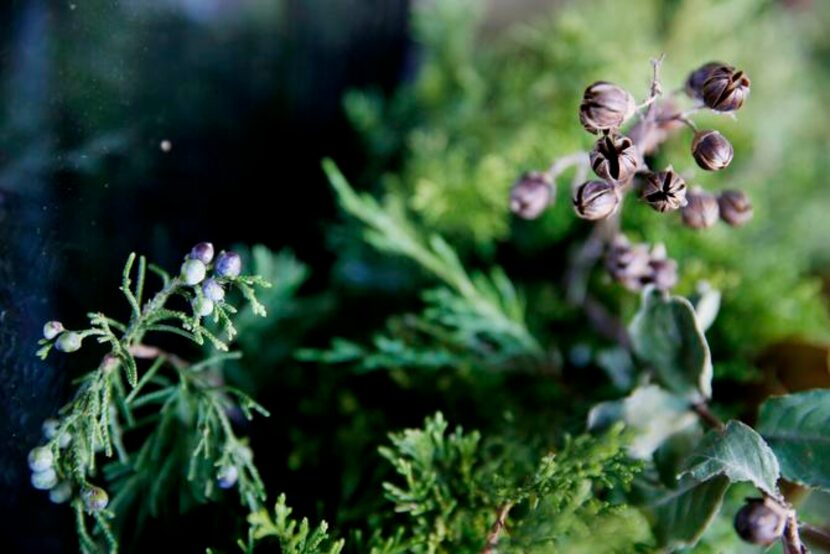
(637, 265)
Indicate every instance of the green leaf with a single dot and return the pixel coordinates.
(652, 413)
(797, 427)
(666, 335)
(682, 515)
(737, 452)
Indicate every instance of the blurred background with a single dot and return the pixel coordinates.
(150, 125)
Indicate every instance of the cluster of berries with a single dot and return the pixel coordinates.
(209, 291)
(618, 161)
(45, 477)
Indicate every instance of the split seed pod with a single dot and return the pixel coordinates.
(726, 89)
(615, 158)
(665, 191)
(695, 80)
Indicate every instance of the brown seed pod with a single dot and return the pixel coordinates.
(735, 207)
(701, 209)
(627, 263)
(695, 80)
(760, 521)
(595, 200)
(726, 89)
(665, 191)
(531, 194)
(615, 158)
(711, 150)
(605, 107)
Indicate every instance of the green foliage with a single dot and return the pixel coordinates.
(666, 336)
(681, 515)
(293, 537)
(186, 406)
(470, 315)
(453, 491)
(797, 427)
(737, 452)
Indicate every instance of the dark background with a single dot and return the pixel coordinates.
(248, 94)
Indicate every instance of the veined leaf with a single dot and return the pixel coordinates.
(737, 452)
(682, 515)
(797, 427)
(666, 335)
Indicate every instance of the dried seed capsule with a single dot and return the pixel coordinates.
(605, 106)
(726, 89)
(68, 341)
(615, 159)
(665, 191)
(695, 80)
(711, 150)
(227, 476)
(202, 306)
(202, 252)
(52, 329)
(193, 271)
(95, 498)
(596, 200)
(735, 207)
(228, 264)
(531, 194)
(213, 290)
(628, 264)
(663, 273)
(44, 480)
(40, 458)
(701, 209)
(759, 522)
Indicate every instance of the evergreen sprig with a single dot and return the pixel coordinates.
(186, 406)
(470, 315)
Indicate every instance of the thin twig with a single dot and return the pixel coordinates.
(497, 528)
(147, 352)
(710, 419)
(561, 164)
(816, 535)
(792, 539)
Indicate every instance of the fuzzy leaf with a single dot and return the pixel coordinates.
(666, 335)
(797, 427)
(737, 452)
(652, 413)
(683, 514)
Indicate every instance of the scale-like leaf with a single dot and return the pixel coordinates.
(650, 412)
(666, 335)
(797, 427)
(681, 515)
(737, 452)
